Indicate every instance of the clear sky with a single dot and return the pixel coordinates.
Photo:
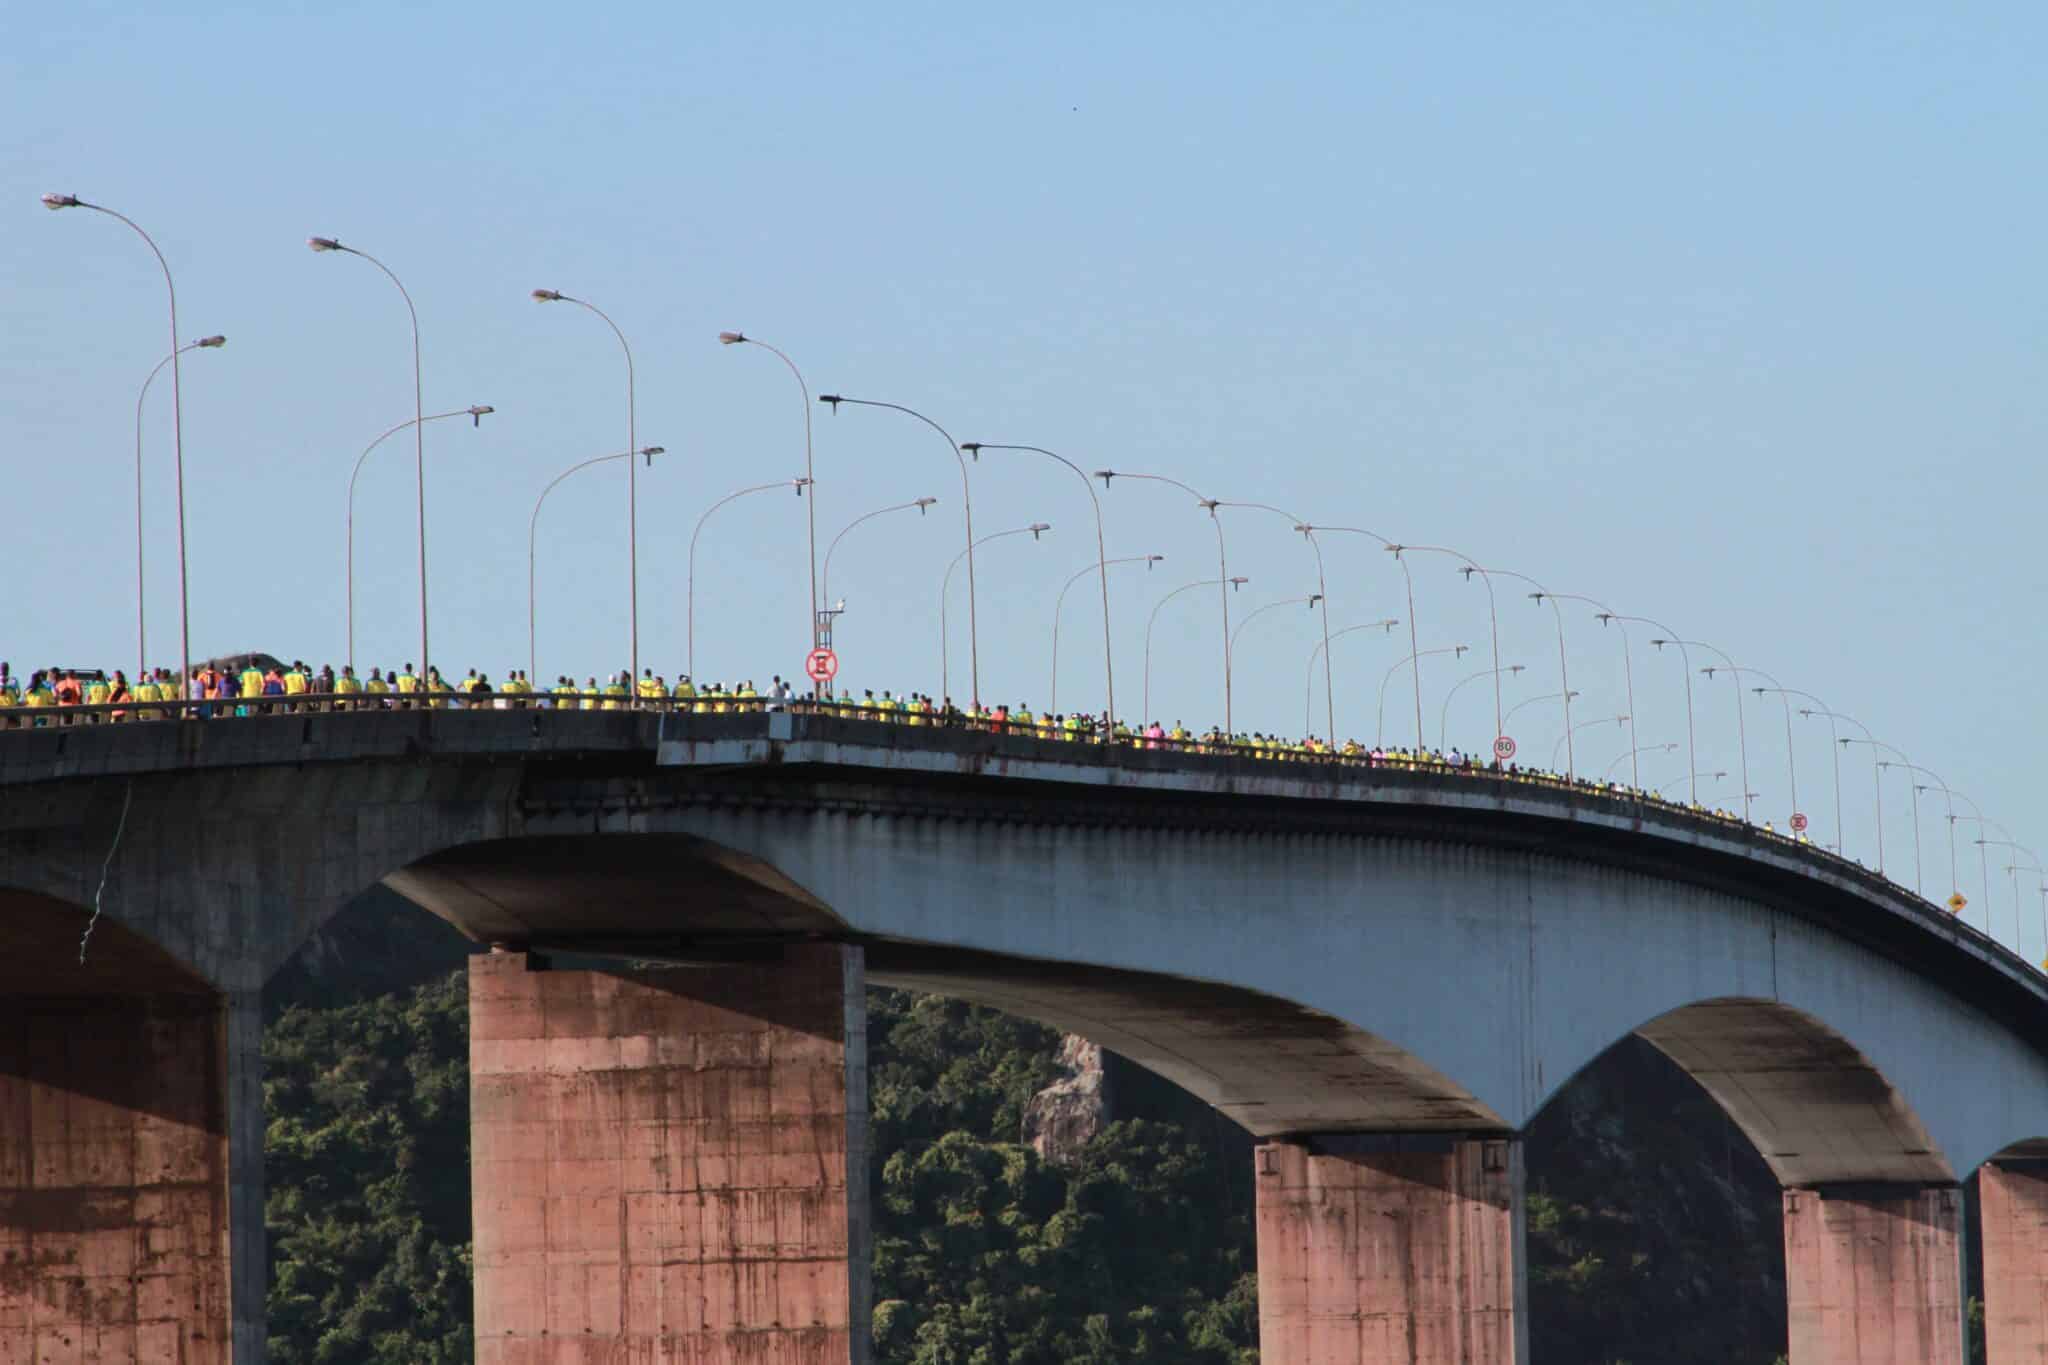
(1730, 315)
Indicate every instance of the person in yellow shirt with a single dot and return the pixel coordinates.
(378, 689)
(347, 685)
(407, 685)
(252, 687)
(685, 692)
(615, 694)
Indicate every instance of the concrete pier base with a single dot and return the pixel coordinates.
(1874, 1276)
(1379, 1249)
(670, 1165)
(131, 1196)
(2012, 1199)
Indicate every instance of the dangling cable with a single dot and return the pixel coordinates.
(86, 937)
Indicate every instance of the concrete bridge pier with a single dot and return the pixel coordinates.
(2013, 1208)
(1399, 1247)
(1874, 1275)
(670, 1164)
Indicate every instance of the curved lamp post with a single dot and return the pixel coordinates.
(1696, 775)
(967, 509)
(419, 424)
(799, 483)
(632, 478)
(1819, 708)
(1564, 677)
(1492, 616)
(1227, 584)
(1629, 758)
(1837, 749)
(1741, 718)
(1877, 779)
(141, 638)
(810, 471)
(1053, 696)
(1443, 720)
(1628, 678)
(920, 504)
(1222, 582)
(975, 448)
(1692, 748)
(54, 202)
(1948, 799)
(1983, 864)
(1257, 612)
(1034, 530)
(1531, 701)
(1408, 581)
(1308, 683)
(532, 522)
(1565, 739)
(1322, 596)
(475, 412)
(1455, 651)
(2010, 872)
(1741, 725)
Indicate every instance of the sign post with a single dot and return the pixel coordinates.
(1504, 748)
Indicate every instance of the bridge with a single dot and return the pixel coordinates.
(1383, 973)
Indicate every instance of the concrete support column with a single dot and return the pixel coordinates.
(1402, 1248)
(1874, 1275)
(671, 1165)
(2012, 1198)
(131, 1179)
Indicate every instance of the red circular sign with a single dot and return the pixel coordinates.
(1798, 823)
(1504, 748)
(822, 665)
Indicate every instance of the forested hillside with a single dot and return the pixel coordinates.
(1654, 1235)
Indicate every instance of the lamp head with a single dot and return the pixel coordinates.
(547, 296)
(1538, 596)
(1239, 582)
(1604, 617)
(1709, 670)
(800, 485)
(324, 243)
(832, 398)
(1314, 598)
(53, 202)
(972, 448)
(212, 343)
(1105, 475)
(1304, 528)
(649, 452)
(1150, 560)
(1210, 504)
(1516, 668)
(1038, 528)
(1458, 651)
(476, 413)
(923, 503)
(1660, 643)
(731, 338)
(1393, 549)
(1468, 571)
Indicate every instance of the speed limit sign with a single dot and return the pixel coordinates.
(1504, 748)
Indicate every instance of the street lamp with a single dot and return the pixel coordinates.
(1257, 612)
(1531, 701)
(647, 452)
(1443, 719)
(1308, 682)
(1877, 781)
(1053, 699)
(1034, 530)
(1492, 617)
(920, 504)
(1606, 617)
(1322, 595)
(1228, 585)
(1564, 677)
(1629, 758)
(475, 412)
(1741, 721)
(419, 426)
(1455, 651)
(141, 639)
(1820, 708)
(54, 202)
(1565, 739)
(1696, 775)
(1408, 581)
(975, 448)
(967, 509)
(632, 478)
(2010, 872)
(690, 592)
(739, 339)
(1222, 581)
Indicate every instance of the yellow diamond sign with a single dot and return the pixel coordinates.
(1956, 902)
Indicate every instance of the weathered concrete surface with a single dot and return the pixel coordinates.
(114, 1181)
(2012, 1200)
(670, 1165)
(1375, 1250)
(131, 1150)
(1874, 1276)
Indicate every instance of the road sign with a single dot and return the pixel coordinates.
(1956, 902)
(1798, 823)
(822, 665)
(1504, 748)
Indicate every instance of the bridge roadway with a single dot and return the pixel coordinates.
(1382, 973)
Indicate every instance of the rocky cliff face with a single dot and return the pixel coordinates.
(1062, 1118)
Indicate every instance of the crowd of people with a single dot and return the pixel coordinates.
(254, 685)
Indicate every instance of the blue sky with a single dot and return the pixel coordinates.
(1729, 315)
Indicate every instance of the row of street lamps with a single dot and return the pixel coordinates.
(1224, 581)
